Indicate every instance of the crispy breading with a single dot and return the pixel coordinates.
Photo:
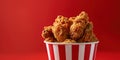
(60, 32)
(70, 30)
(78, 25)
(61, 20)
(88, 32)
(69, 41)
(83, 16)
(47, 32)
(50, 39)
(76, 30)
(60, 28)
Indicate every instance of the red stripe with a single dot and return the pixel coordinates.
(94, 55)
(61, 49)
(75, 49)
(51, 51)
(87, 51)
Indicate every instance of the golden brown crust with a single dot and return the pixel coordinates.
(47, 32)
(76, 30)
(60, 28)
(83, 16)
(50, 39)
(88, 35)
(60, 32)
(61, 20)
(70, 30)
(78, 25)
(69, 41)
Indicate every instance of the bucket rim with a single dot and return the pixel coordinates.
(58, 43)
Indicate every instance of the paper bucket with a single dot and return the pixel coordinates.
(71, 51)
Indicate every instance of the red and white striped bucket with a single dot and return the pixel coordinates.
(71, 51)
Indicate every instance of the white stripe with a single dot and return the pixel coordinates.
(95, 51)
(81, 52)
(56, 52)
(91, 51)
(48, 51)
(68, 50)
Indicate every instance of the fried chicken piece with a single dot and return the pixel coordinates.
(69, 41)
(47, 34)
(88, 33)
(76, 30)
(60, 32)
(83, 16)
(60, 28)
(71, 19)
(61, 20)
(78, 25)
(50, 39)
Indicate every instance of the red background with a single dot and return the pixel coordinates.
(21, 23)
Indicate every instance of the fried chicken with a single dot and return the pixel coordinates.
(78, 25)
(88, 35)
(70, 30)
(50, 39)
(69, 41)
(60, 28)
(47, 34)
